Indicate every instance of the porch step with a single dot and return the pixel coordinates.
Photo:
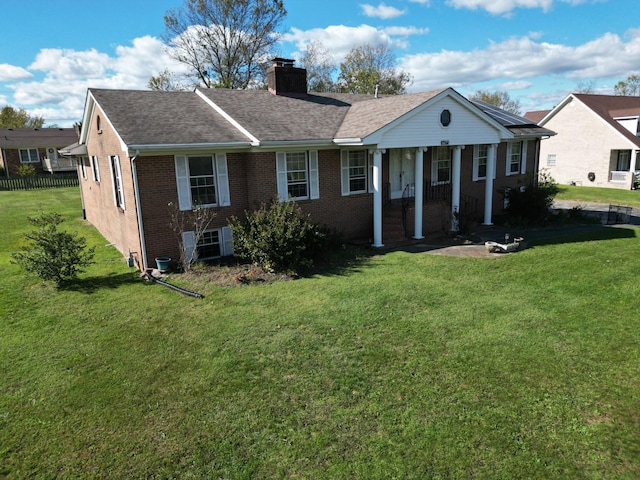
(392, 227)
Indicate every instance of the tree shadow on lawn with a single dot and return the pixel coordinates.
(578, 234)
(92, 284)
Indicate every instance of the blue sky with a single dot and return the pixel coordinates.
(538, 50)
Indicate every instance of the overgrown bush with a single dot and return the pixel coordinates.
(53, 255)
(26, 170)
(530, 204)
(278, 237)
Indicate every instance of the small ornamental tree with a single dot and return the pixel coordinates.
(197, 221)
(277, 237)
(53, 255)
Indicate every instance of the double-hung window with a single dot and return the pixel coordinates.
(441, 166)
(116, 180)
(357, 172)
(95, 169)
(202, 180)
(480, 160)
(209, 245)
(214, 243)
(83, 167)
(624, 161)
(29, 155)
(297, 174)
(516, 158)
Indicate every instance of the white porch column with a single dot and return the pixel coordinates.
(455, 185)
(377, 198)
(488, 187)
(632, 166)
(419, 192)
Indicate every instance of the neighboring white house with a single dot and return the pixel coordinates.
(597, 142)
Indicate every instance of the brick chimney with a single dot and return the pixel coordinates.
(285, 79)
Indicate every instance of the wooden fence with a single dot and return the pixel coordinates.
(39, 182)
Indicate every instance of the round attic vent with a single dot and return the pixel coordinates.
(445, 118)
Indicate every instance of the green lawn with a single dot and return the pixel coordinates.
(401, 366)
(615, 196)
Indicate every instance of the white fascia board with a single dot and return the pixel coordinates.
(154, 149)
(254, 141)
(556, 109)
(89, 105)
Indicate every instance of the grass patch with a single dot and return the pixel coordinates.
(397, 366)
(613, 196)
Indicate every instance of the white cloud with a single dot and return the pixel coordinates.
(423, 2)
(523, 58)
(504, 7)
(382, 11)
(500, 7)
(519, 85)
(340, 39)
(59, 94)
(11, 73)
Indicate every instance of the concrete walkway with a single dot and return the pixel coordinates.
(438, 246)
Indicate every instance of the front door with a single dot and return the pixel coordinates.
(402, 168)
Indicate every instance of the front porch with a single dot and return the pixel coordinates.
(399, 214)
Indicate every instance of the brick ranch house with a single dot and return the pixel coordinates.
(346, 159)
(35, 146)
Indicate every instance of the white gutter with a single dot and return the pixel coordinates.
(173, 147)
(136, 190)
(297, 143)
(348, 141)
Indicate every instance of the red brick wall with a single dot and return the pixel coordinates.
(119, 227)
(252, 181)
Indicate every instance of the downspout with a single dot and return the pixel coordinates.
(84, 211)
(5, 163)
(536, 163)
(143, 246)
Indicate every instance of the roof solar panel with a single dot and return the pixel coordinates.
(503, 117)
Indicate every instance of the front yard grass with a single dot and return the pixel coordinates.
(615, 196)
(398, 366)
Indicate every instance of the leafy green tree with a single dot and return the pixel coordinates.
(498, 98)
(320, 68)
(53, 255)
(628, 87)
(277, 237)
(20, 118)
(166, 81)
(225, 42)
(367, 67)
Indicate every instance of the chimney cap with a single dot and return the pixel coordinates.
(283, 62)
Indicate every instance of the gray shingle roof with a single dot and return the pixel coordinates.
(369, 116)
(282, 118)
(164, 118)
(185, 118)
(37, 137)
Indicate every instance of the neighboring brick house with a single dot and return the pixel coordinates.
(597, 142)
(35, 146)
(345, 159)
